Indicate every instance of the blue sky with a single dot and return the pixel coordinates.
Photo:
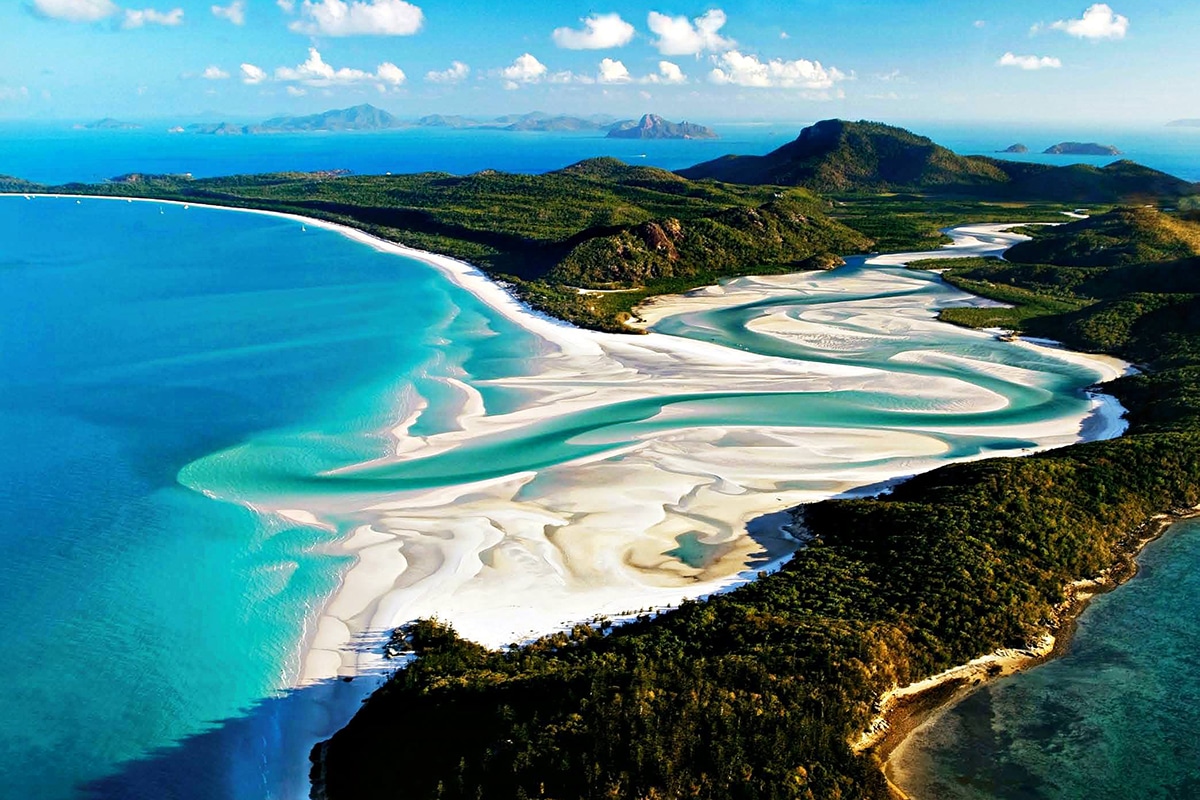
(1136, 61)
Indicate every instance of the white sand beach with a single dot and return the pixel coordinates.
(526, 554)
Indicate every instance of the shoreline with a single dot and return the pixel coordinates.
(368, 597)
(903, 710)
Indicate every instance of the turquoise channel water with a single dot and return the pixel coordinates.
(134, 339)
(157, 362)
(1114, 718)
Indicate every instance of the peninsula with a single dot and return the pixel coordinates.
(772, 685)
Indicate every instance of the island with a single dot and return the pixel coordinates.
(783, 686)
(1081, 149)
(366, 117)
(1015, 148)
(1184, 123)
(652, 126)
(108, 124)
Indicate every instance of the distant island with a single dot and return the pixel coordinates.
(366, 117)
(1081, 149)
(1184, 123)
(652, 126)
(1015, 148)
(108, 124)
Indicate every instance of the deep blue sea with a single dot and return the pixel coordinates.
(147, 629)
(56, 153)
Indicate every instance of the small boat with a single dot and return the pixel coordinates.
(185, 207)
(78, 202)
(1009, 336)
(302, 228)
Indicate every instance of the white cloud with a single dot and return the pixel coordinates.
(359, 18)
(746, 70)
(214, 73)
(75, 10)
(613, 72)
(235, 12)
(1028, 62)
(1098, 22)
(252, 74)
(286, 6)
(457, 73)
(980, 23)
(667, 73)
(524, 69)
(316, 72)
(600, 31)
(8, 93)
(135, 18)
(389, 73)
(679, 36)
(296, 91)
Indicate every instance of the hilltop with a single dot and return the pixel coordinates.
(837, 157)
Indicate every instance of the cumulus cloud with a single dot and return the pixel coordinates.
(214, 73)
(980, 23)
(1028, 62)
(235, 12)
(524, 69)
(679, 36)
(296, 91)
(613, 72)
(358, 18)
(1098, 22)
(600, 31)
(135, 18)
(667, 73)
(316, 72)
(746, 70)
(390, 74)
(10, 93)
(252, 74)
(75, 10)
(457, 73)
(286, 6)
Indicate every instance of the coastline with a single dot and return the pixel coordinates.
(902, 710)
(370, 597)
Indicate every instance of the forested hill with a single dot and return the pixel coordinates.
(836, 157)
(1123, 236)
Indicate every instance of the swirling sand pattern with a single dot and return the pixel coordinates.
(636, 471)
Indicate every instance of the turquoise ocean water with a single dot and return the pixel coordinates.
(148, 629)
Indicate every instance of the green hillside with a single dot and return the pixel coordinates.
(598, 224)
(1123, 236)
(839, 157)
